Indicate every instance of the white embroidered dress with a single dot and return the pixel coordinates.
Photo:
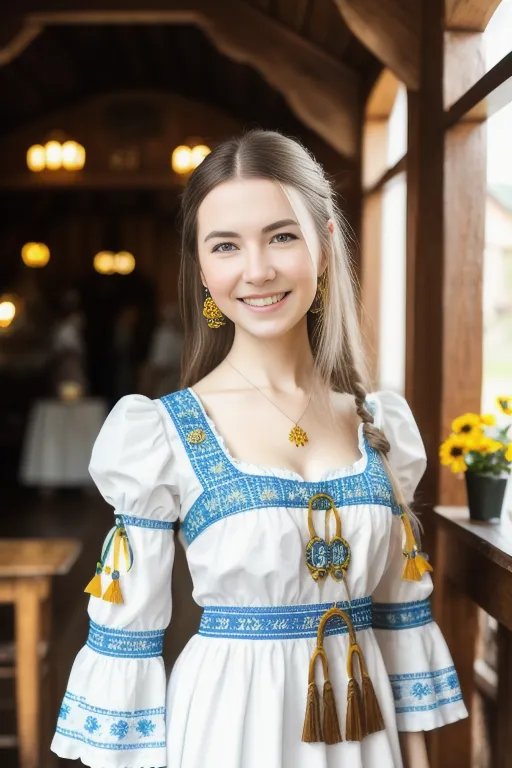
(237, 693)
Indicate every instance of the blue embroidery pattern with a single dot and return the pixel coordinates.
(120, 729)
(282, 622)
(145, 522)
(125, 644)
(111, 729)
(145, 727)
(229, 491)
(91, 724)
(423, 691)
(401, 615)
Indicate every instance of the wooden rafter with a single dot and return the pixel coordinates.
(469, 15)
(391, 30)
(323, 93)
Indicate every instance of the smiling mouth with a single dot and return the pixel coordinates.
(266, 301)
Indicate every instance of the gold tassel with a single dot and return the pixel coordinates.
(332, 733)
(94, 586)
(354, 725)
(422, 563)
(312, 730)
(113, 593)
(410, 571)
(415, 562)
(373, 720)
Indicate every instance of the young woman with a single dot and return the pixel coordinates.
(290, 484)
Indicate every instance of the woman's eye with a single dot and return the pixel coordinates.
(283, 237)
(224, 248)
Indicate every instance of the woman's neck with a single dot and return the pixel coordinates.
(284, 363)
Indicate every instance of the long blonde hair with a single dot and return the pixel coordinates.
(334, 334)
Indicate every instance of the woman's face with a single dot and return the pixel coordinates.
(253, 255)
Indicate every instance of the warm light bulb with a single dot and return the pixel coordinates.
(35, 254)
(124, 262)
(53, 155)
(181, 160)
(198, 154)
(7, 313)
(36, 159)
(104, 263)
(73, 156)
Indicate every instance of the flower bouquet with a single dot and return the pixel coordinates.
(481, 450)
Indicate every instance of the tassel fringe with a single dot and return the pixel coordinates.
(113, 593)
(312, 730)
(332, 733)
(94, 586)
(411, 571)
(354, 725)
(373, 720)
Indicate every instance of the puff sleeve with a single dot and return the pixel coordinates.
(113, 712)
(424, 681)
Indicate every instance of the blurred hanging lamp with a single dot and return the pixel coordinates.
(57, 153)
(185, 158)
(7, 310)
(35, 254)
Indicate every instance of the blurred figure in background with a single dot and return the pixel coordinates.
(162, 374)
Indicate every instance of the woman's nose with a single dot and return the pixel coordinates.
(258, 268)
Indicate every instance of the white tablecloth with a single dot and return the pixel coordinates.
(58, 442)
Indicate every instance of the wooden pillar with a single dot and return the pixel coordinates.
(426, 332)
(445, 244)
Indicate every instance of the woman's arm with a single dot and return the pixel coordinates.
(414, 750)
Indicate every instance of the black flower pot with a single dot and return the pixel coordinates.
(485, 496)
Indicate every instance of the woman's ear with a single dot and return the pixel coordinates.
(330, 226)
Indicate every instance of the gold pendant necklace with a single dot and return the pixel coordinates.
(296, 435)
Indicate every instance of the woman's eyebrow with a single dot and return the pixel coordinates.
(265, 230)
(278, 225)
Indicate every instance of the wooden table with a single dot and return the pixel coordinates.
(26, 570)
(473, 567)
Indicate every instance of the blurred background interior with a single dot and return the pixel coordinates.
(105, 109)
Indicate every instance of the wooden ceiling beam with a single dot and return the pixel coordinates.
(323, 93)
(390, 29)
(469, 15)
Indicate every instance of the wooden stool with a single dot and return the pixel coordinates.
(26, 570)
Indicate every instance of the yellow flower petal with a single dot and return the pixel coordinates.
(505, 404)
(508, 453)
(466, 423)
(488, 419)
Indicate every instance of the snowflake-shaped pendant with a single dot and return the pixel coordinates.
(298, 436)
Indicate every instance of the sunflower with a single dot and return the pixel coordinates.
(508, 453)
(505, 404)
(467, 424)
(452, 453)
(488, 419)
(484, 445)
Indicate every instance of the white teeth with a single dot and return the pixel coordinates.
(266, 301)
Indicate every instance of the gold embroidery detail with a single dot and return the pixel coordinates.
(196, 436)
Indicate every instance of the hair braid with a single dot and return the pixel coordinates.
(378, 440)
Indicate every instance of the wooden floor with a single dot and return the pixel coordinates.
(85, 516)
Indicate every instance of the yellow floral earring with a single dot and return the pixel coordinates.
(214, 316)
(318, 305)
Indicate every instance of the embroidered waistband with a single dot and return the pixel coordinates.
(124, 643)
(401, 615)
(282, 622)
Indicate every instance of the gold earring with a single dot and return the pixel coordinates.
(214, 316)
(319, 303)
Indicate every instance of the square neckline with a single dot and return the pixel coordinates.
(357, 467)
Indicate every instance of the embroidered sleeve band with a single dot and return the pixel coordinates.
(124, 643)
(401, 615)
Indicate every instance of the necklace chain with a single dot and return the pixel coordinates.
(297, 434)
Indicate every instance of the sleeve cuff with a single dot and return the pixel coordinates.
(113, 713)
(423, 679)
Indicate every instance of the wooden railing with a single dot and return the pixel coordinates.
(473, 567)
